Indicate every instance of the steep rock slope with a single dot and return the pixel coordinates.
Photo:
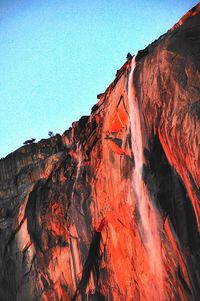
(110, 209)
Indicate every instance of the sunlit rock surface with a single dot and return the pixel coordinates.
(110, 209)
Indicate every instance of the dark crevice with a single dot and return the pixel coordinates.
(29, 271)
(195, 109)
(91, 265)
(32, 219)
(169, 195)
(96, 297)
(195, 188)
(183, 282)
(125, 108)
(121, 99)
(45, 282)
(91, 146)
(117, 141)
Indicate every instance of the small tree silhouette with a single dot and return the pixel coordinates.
(50, 133)
(29, 141)
(128, 56)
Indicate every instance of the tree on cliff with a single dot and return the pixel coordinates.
(50, 133)
(29, 141)
(128, 56)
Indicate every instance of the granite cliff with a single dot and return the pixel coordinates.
(110, 209)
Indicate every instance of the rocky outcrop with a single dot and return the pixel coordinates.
(110, 209)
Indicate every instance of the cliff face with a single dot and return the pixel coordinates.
(110, 209)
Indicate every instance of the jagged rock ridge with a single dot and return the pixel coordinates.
(110, 209)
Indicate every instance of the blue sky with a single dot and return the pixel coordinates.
(56, 56)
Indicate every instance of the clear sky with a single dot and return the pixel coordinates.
(57, 55)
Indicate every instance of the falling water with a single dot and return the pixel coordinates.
(75, 261)
(79, 159)
(148, 215)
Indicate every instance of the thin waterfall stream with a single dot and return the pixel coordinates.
(149, 217)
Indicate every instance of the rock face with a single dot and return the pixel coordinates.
(110, 209)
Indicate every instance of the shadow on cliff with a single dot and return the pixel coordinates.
(169, 194)
(91, 265)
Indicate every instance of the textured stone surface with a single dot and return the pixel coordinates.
(75, 225)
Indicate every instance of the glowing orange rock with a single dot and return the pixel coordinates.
(110, 209)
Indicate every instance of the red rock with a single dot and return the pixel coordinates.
(104, 212)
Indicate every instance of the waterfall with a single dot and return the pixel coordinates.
(79, 158)
(149, 217)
